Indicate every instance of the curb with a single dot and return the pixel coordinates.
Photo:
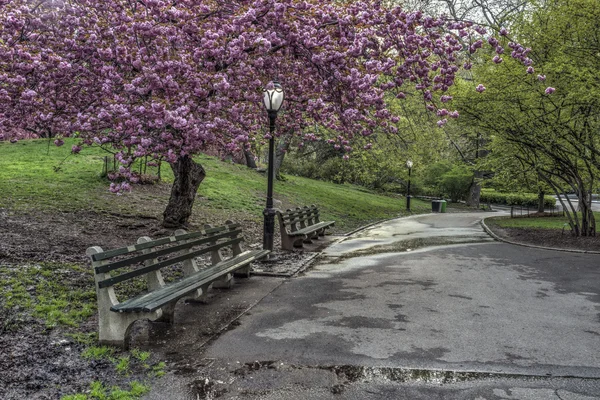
(500, 239)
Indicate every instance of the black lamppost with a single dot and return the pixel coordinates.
(273, 99)
(409, 164)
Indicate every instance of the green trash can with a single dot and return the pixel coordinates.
(436, 206)
(443, 208)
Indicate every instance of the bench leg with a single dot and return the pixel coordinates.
(298, 241)
(242, 272)
(114, 327)
(224, 283)
(168, 313)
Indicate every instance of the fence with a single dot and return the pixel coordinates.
(526, 211)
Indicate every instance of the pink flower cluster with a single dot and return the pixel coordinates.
(156, 79)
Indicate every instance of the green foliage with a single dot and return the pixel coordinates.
(456, 182)
(100, 392)
(78, 396)
(139, 355)
(540, 136)
(43, 290)
(123, 365)
(374, 169)
(87, 339)
(158, 370)
(233, 191)
(515, 199)
(556, 223)
(98, 353)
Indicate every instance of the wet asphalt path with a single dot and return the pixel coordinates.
(386, 315)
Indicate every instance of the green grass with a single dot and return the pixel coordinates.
(100, 392)
(35, 176)
(534, 222)
(44, 291)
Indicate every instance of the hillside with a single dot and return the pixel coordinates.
(56, 204)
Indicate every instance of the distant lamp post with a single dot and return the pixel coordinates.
(273, 100)
(409, 164)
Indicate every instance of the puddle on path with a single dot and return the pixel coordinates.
(412, 244)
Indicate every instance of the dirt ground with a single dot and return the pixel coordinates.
(547, 238)
(41, 363)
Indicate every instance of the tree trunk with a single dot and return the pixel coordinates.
(188, 176)
(541, 205)
(475, 190)
(588, 225)
(250, 161)
(282, 148)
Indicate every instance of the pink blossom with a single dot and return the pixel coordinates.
(75, 149)
(530, 70)
(442, 122)
(59, 142)
(541, 78)
(550, 90)
(480, 88)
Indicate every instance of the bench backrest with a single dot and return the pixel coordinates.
(300, 217)
(180, 248)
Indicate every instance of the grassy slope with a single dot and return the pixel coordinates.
(28, 180)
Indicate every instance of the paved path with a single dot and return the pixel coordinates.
(490, 320)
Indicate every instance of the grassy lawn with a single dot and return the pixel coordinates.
(534, 222)
(36, 176)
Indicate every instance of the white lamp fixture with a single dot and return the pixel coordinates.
(273, 98)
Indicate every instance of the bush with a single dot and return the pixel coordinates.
(455, 183)
(514, 199)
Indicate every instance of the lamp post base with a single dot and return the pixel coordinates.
(408, 202)
(269, 228)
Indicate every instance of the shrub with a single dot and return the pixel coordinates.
(455, 183)
(514, 199)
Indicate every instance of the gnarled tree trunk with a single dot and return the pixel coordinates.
(188, 176)
(282, 148)
(475, 190)
(541, 201)
(250, 161)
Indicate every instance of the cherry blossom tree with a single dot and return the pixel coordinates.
(169, 79)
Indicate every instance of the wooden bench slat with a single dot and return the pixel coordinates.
(157, 253)
(311, 228)
(225, 268)
(151, 301)
(156, 266)
(105, 255)
(301, 214)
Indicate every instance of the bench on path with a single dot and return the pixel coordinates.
(145, 260)
(301, 226)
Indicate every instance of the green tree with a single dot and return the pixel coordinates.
(550, 121)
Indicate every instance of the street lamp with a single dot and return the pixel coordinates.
(273, 100)
(409, 164)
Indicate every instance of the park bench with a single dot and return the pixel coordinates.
(300, 226)
(219, 246)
